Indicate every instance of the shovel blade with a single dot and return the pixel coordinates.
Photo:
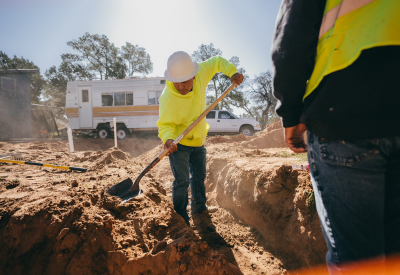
(121, 188)
(125, 190)
(131, 194)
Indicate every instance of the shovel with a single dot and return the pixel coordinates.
(44, 164)
(127, 189)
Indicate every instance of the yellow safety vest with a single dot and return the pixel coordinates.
(347, 28)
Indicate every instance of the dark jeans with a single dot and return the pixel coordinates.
(357, 193)
(188, 159)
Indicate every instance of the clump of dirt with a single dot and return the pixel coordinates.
(54, 221)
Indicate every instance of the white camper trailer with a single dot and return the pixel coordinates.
(92, 105)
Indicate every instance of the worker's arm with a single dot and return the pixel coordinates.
(165, 123)
(293, 54)
(218, 64)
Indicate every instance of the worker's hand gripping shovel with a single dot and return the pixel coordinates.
(127, 190)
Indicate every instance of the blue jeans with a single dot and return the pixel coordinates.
(188, 159)
(357, 194)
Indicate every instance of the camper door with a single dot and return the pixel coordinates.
(85, 107)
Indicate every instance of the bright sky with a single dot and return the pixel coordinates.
(38, 30)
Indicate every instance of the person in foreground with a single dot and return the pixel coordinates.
(336, 75)
(182, 101)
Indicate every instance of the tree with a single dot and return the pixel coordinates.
(98, 56)
(55, 89)
(137, 58)
(205, 52)
(37, 81)
(261, 94)
(239, 99)
(220, 82)
(71, 69)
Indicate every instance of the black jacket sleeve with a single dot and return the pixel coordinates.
(293, 54)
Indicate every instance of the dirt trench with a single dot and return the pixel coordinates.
(61, 222)
(275, 202)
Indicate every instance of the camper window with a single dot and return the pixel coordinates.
(107, 100)
(153, 97)
(129, 98)
(119, 99)
(85, 95)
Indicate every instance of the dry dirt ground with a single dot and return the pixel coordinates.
(54, 221)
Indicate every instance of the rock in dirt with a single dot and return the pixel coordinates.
(159, 247)
(74, 183)
(69, 243)
(108, 217)
(62, 233)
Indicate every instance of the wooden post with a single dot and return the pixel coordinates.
(115, 132)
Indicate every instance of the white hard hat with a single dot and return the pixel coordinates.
(180, 67)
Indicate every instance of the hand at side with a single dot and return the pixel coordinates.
(294, 137)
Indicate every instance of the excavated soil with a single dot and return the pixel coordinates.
(56, 221)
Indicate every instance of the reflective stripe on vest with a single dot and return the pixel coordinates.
(347, 28)
(346, 6)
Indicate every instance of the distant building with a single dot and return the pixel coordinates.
(15, 104)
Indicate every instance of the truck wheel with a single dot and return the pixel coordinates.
(121, 132)
(103, 132)
(247, 130)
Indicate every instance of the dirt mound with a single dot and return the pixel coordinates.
(271, 137)
(54, 221)
(272, 201)
(101, 158)
(226, 139)
(133, 146)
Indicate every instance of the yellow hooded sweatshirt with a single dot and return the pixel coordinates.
(178, 111)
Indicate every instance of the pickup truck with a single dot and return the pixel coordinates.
(224, 122)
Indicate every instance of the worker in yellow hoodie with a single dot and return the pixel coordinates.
(182, 101)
